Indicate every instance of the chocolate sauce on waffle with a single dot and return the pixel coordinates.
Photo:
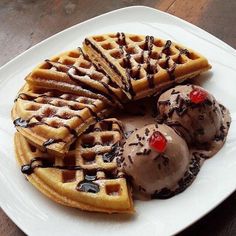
(27, 124)
(166, 48)
(58, 66)
(170, 68)
(105, 85)
(65, 68)
(20, 122)
(88, 187)
(123, 80)
(51, 141)
(150, 69)
(109, 156)
(110, 95)
(121, 39)
(40, 162)
(44, 162)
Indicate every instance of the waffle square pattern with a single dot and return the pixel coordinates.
(143, 65)
(87, 176)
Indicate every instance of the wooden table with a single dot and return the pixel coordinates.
(27, 22)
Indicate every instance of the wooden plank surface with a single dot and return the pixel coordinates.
(24, 23)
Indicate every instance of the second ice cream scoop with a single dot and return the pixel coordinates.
(193, 112)
(156, 159)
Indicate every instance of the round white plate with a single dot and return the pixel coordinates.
(37, 215)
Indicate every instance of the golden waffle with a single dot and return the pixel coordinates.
(87, 177)
(142, 65)
(73, 72)
(52, 119)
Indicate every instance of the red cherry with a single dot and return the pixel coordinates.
(198, 95)
(158, 141)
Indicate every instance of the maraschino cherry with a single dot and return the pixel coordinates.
(198, 96)
(158, 141)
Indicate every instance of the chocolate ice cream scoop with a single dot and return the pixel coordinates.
(156, 158)
(194, 113)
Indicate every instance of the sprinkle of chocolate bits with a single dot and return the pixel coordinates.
(147, 131)
(138, 137)
(145, 152)
(130, 159)
(174, 92)
(141, 144)
(177, 98)
(228, 124)
(133, 144)
(139, 153)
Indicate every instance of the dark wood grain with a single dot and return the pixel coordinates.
(24, 23)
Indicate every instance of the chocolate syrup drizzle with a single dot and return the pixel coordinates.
(110, 95)
(109, 156)
(28, 169)
(127, 63)
(124, 84)
(87, 184)
(151, 69)
(66, 69)
(105, 85)
(19, 122)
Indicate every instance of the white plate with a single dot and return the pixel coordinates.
(35, 214)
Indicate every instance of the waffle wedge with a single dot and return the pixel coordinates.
(87, 177)
(143, 65)
(52, 119)
(73, 72)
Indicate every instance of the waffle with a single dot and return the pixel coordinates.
(143, 65)
(73, 72)
(87, 177)
(52, 119)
